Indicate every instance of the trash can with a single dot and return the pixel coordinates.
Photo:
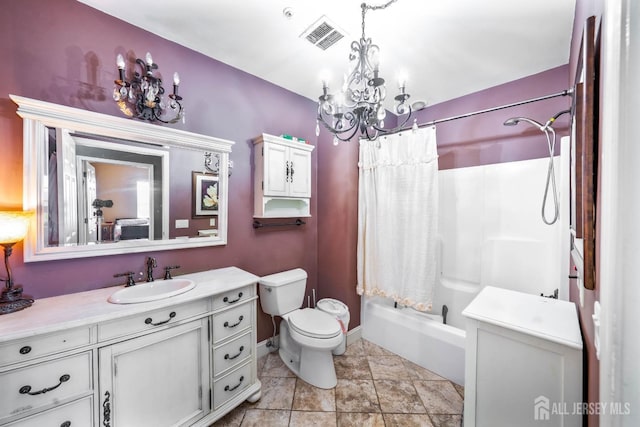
(340, 311)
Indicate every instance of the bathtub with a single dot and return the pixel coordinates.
(419, 337)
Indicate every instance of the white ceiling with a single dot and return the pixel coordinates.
(445, 48)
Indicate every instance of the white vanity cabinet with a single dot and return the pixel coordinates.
(77, 360)
(282, 177)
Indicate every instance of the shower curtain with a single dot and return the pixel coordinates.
(398, 217)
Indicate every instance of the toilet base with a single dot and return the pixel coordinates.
(310, 365)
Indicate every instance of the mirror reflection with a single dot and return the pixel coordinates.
(103, 185)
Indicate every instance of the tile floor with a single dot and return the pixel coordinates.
(375, 388)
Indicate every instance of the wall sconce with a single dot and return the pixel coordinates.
(13, 228)
(144, 92)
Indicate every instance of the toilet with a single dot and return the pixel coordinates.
(307, 336)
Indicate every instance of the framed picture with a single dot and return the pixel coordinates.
(584, 146)
(205, 194)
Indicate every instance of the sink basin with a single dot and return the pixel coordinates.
(151, 291)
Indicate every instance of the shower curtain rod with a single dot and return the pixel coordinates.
(488, 110)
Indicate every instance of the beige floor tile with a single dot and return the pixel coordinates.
(356, 396)
(352, 367)
(398, 397)
(439, 397)
(387, 368)
(233, 418)
(446, 420)
(407, 420)
(372, 349)
(358, 419)
(277, 393)
(260, 364)
(275, 367)
(459, 389)
(265, 417)
(420, 373)
(355, 349)
(312, 419)
(310, 398)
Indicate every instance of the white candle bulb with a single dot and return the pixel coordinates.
(120, 62)
(176, 78)
(149, 59)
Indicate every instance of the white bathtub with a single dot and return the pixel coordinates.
(422, 338)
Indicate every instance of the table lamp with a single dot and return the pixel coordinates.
(13, 228)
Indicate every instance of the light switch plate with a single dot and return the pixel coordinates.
(212, 222)
(182, 223)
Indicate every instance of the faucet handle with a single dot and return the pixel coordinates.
(167, 271)
(129, 274)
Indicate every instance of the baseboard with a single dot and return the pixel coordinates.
(354, 335)
(263, 348)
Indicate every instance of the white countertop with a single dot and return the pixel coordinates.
(85, 308)
(545, 318)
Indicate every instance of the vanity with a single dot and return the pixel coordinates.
(184, 360)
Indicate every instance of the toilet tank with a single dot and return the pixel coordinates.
(281, 293)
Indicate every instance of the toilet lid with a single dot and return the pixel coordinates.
(314, 323)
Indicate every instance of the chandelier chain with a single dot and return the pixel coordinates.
(366, 7)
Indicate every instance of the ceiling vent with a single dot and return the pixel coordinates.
(323, 33)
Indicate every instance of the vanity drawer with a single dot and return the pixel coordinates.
(237, 296)
(231, 322)
(231, 384)
(46, 383)
(42, 345)
(150, 320)
(232, 353)
(74, 414)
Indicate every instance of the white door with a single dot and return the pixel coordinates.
(300, 173)
(276, 164)
(161, 379)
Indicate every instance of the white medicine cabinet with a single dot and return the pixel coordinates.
(282, 177)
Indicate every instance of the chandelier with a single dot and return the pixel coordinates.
(359, 105)
(144, 93)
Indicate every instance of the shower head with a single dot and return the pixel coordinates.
(515, 120)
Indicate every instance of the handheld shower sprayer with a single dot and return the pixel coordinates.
(550, 133)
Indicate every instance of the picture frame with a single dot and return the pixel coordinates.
(584, 146)
(205, 194)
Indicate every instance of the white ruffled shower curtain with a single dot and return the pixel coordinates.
(398, 217)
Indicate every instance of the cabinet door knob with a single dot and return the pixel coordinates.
(291, 171)
(66, 424)
(287, 178)
(25, 350)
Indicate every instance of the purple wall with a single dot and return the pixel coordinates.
(64, 52)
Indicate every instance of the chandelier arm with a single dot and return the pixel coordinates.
(397, 128)
(339, 132)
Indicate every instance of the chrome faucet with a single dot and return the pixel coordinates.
(151, 264)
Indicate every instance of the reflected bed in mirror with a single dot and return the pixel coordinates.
(104, 185)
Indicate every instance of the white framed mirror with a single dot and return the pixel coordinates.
(105, 185)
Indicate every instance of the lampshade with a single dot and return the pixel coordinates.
(13, 226)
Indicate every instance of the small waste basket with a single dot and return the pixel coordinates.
(340, 311)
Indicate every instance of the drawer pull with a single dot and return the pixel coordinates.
(26, 389)
(25, 350)
(66, 424)
(149, 320)
(227, 325)
(227, 357)
(226, 299)
(227, 388)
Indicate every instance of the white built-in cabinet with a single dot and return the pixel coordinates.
(77, 360)
(282, 177)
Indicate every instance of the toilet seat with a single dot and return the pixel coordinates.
(314, 323)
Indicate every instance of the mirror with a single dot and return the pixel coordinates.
(104, 185)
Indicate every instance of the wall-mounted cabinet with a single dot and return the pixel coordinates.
(282, 177)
